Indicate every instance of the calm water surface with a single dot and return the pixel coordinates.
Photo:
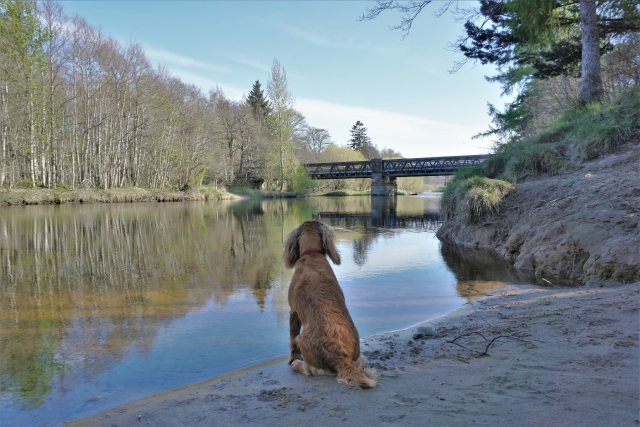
(104, 304)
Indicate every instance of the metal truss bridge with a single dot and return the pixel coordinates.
(379, 219)
(425, 166)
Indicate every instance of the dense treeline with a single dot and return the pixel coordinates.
(80, 109)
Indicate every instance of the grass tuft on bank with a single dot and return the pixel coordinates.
(472, 197)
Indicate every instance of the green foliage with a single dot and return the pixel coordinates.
(599, 128)
(589, 131)
(468, 172)
(21, 34)
(335, 153)
(519, 159)
(471, 198)
(302, 182)
(539, 21)
(410, 184)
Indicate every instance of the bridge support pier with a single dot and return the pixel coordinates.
(382, 185)
(383, 211)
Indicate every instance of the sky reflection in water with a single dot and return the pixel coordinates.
(105, 304)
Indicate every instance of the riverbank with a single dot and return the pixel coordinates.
(560, 357)
(581, 226)
(46, 196)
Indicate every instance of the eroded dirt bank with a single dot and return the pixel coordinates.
(564, 357)
(582, 226)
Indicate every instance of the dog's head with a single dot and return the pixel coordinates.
(291, 252)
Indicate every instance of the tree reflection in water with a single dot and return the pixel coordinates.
(101, 280)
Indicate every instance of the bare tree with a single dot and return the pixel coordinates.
(282, 122)
(79, 108)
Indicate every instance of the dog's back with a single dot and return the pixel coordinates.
(329, 340)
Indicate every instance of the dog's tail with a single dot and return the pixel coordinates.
(350, 373)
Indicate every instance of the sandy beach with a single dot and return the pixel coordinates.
(518, 356)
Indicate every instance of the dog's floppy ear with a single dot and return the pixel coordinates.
(291, 253)
(328, 237)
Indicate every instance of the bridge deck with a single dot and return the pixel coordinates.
(425, 166)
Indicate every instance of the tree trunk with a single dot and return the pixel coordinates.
(281, 162)
(5, 132)
(591, 89)
(32, 143)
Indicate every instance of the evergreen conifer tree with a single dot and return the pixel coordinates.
(361, 142)
(359, 138)
(257, 101)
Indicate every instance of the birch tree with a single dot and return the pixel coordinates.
(282, 122)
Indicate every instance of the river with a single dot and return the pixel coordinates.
(105, 304)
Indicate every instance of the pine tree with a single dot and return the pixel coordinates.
(359, 138)
(361, 142)
(257, 101)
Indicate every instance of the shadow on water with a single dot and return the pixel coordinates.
(480, 271)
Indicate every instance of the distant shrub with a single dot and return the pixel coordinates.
(302, 182)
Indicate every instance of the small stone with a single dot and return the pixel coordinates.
(95, 398)
(424, 331)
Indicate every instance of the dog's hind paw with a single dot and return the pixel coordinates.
(294, 357)
(300, 366)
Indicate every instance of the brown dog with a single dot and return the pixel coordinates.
(329, 341)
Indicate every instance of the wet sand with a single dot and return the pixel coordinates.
(560, 357)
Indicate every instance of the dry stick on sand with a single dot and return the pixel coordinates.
(491, 341)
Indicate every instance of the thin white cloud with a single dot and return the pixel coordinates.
(313, 38)
(206, 84)
(160, 55)
(250, 62)
(412, 136)
(324, 41)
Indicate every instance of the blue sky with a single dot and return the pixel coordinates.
(339, 69)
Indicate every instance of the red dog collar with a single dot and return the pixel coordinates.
(311, 251)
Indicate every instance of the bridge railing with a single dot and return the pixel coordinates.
(429, 165)
(423, 166)
(339, 169)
